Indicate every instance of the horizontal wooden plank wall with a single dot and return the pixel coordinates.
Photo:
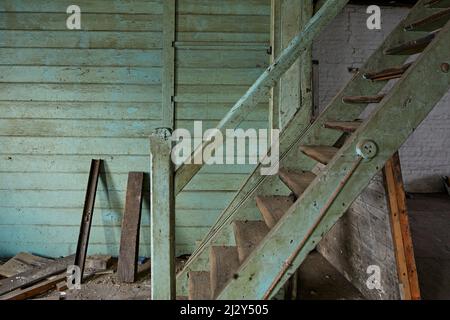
(69, 96)
(221, 49)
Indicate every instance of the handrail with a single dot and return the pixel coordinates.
(263, 84)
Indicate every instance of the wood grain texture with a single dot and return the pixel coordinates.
(129, 240)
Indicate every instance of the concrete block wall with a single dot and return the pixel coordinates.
(347, 43)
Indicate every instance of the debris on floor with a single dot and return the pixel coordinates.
(20, 263)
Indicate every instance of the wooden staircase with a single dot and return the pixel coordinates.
(272, 224)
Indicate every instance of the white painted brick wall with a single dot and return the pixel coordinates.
(347, 43)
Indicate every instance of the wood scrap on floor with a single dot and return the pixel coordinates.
(33, 276)
(20, 263)
(37, 289)
(98, 262)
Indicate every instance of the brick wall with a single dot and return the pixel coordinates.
(347, 43)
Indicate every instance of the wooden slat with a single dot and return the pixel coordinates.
(345, 126)
(401, 234)
(20, 263)
(387, 74)
(35, 275)
(199, 285)
(438, 3)
(248, 235)
(224, 262)
(322, 154)
(168, 81)
(162, 215)
(296, 181)
(273, 208)
(430, 23)
(412, 47)
(86, 218)
(363, 99)
(129, 240)
(40, 288)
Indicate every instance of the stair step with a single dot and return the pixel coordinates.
(345, 126)
(297, 182)
(273, 208)
(430, 23)
(224, 262)
(322, 154)
(363, 99)
(437, 3)
(199, 285)
(412, 47)
(387, 74)
(248, 235)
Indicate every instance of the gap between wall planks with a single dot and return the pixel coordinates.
(168, 56)
(129, 239)
(401, 234)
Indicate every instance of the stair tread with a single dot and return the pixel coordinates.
(412, 47)
(273, 208)
(199, 285)
(248, 235)
(224, 262)
(430, 23)
(296, 181)
(346, 126)
(387, 74)
(322, 154)
(363, 99)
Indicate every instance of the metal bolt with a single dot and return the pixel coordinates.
(445, 67)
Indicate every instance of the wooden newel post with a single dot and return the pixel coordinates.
(162, 215)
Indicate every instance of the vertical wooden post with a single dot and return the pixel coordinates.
(401, 234)
(162, 217)
(131, 222)
(168, 57)
(275, 44)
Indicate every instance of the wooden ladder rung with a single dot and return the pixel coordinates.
(363, 99)
(345, 126)
(248, 235)
(430, 23)
(412, 47)
(273, 208)
(297, 182)
(322, 154)
(387, 74)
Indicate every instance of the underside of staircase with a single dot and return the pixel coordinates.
(274, 222)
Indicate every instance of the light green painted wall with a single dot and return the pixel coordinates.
(69, 96)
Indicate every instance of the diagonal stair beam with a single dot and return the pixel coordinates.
(261, 88)
(303, 226)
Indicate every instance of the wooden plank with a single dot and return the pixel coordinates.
(86, 218)
(168, 82)
(35, 275)
(40, 288)
(401, 234)
(275, 43)
(296, 181)
(129, 240)
(22, 262)
(162, 216)
(322, 154)
(273, 208)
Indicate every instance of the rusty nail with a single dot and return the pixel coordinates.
(445, 67)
